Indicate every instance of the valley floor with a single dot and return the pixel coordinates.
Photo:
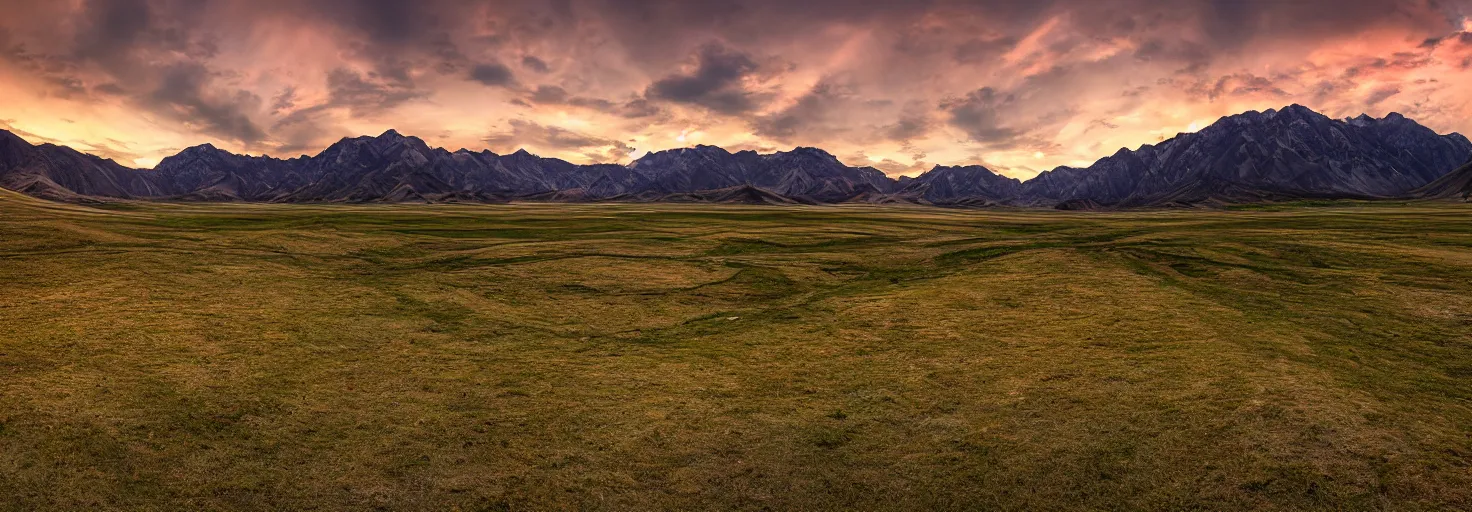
(727, 357)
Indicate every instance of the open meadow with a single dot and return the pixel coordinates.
(636, 357)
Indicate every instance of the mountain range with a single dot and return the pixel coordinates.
(1292, 153)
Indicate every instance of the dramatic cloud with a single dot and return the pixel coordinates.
(716, 83)
(535, 64)
(811, 111)
(185, 93)
(362, 94)
(1021, 86)
(493, 74)
(977, 115)
(529, 135)
(910, 125)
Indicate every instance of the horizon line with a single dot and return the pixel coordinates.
(523, 149)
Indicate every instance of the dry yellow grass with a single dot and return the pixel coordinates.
(722, 357)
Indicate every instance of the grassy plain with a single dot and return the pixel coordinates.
(157, 356)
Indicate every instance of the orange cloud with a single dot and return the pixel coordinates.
(1016, 85)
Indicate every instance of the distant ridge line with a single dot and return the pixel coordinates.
(1278, 154)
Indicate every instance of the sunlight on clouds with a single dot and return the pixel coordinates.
(909, 86)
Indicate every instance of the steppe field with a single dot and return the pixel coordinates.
(1313, 356)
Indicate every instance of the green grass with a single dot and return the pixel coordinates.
(635, 357)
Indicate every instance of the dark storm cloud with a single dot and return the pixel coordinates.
(549, 94)
(1006, 74)
(61, 81)
(384, 25)
(368, 94)
(390, 21)
(112, 27)
(1231, 23)
(284, 101)
(535, 64)
(147, 59)
(396, 39)
(639, 108)
(448, 54)
(554, 95)
(59, 73)
(811, 110)
(715, 83)
(493, 74)
(977, 114)
(185, 92)
(129, 38)
(910, 125)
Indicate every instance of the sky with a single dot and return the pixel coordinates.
(1020, 86)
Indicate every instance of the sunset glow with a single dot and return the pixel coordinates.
(1018, 86)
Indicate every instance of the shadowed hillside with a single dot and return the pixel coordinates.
(1277, 155)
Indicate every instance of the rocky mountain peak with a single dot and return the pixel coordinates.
(1284, 153)
(200, 155)
(807, 150)
(806, 154)
(9, 139)
(1298, 109)
(199, 150)
(1291, 152)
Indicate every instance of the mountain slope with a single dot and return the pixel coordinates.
(206, 173)
(1455, 185)
(58, 172)
(1289, 153)
(958, 185)
(1256, 156)
(803, 174)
